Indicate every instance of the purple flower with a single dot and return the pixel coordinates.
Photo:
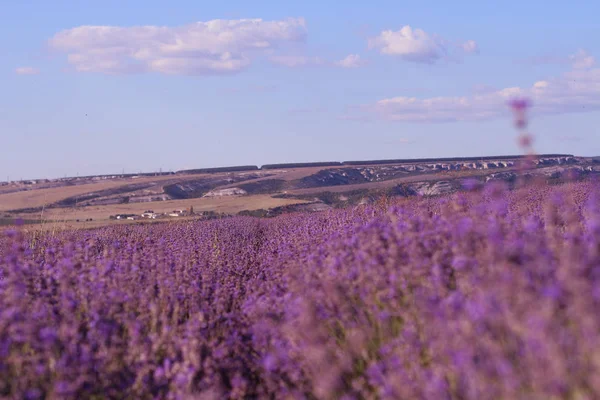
(471, 184)
(552, 291)
(48, 334)
(519, 104)
(33, 394)
(270, 362)
(489, 299)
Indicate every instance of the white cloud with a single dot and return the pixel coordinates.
(27, 71)
(216, 46)
(582, 60)
(575, 91)
(351, 61)
(416, 45)
(470, 46)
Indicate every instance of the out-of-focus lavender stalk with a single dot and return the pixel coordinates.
(519, 107)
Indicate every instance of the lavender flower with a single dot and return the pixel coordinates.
(488, 294)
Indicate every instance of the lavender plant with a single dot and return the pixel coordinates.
(484, 294)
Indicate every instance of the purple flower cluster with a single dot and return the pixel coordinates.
(486, 294)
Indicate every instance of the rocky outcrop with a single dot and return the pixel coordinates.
(431, 188)
(226, 192)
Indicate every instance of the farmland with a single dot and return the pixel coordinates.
(230, 191)
(488, 293)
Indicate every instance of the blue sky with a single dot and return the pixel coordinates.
(161, 86)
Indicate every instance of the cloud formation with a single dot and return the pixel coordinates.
(27, 71)
(212, 47)
(350, 61)
(416, 45)
(575, 91)
(581, 59)
(470, 47)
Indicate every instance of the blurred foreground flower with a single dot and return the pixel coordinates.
(519, 107)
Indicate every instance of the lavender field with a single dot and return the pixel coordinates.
(490, 294)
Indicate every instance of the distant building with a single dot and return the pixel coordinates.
(149, 214)
(124, 216)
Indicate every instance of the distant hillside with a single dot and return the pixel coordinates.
(286, 187)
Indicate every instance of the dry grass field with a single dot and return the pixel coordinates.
(36, 197)
(40, 197)
(40, 202)
(229, 205)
